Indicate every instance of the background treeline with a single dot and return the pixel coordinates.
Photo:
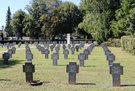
(97, 19)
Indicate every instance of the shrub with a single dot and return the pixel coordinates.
(114, 42)
(128, 44)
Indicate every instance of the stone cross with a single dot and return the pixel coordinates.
(81, 58)
(29, 68)
(10, 52)
(72, 68)
(69, 46)
(110, 58)
(72, 50)
(46, 52)
(55, 58)
(29, 56)
(66, 52)
(86, 53)
(116, 70)
(6, 57)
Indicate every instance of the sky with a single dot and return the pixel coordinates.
(16, 5)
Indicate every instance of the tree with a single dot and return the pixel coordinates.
(8, 27)
(50, 20)
(69, 17)
(36, 9)
(97, 17)
(28, 22)
(124, 22)
(17, 23)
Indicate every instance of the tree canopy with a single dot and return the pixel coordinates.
(99, 19)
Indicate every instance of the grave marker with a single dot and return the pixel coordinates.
(46, 52)
(110, 58)
(72, 50)
(6, 57)
(10, 52)
(72, 68)
(29, 68)
(29, 56)
(66, 52)
(116, 70)
(81, 58)
(55, 58)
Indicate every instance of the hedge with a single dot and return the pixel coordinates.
(128, 44)
(114, 42)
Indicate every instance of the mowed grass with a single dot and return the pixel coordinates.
(93, 77)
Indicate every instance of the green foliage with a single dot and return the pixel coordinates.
(17, 23)
(97, 18)
(36, 9)
(70, 17)
(113, 42)
(8, 27)
(60, 20)
(125, 17)
(128, 44)
(28, 26)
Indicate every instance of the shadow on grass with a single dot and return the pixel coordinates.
(129, 85)
(90, 66)
(61, 65)
(85, 84)
(83, 66)
(5, 80)
(11, 63)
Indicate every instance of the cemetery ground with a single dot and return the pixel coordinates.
(94, 76)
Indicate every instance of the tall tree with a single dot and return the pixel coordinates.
(28, 22)
(125, 17)
(8, 27)
(70, 17)
(50, 20)
(97, 17)
(62, 19)
(17, 23)
(36, 9)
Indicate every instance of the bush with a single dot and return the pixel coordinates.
(128, 44)
(114, 42)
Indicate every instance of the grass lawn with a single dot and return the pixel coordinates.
(93, 77)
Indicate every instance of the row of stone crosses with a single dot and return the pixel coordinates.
(72, 68)
(29, 68)
(8, 54)
(115, 68)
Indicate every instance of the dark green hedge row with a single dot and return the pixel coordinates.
(128, 44)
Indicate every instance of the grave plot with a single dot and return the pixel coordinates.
(110, 57)
(7, 55)
(93, 76)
